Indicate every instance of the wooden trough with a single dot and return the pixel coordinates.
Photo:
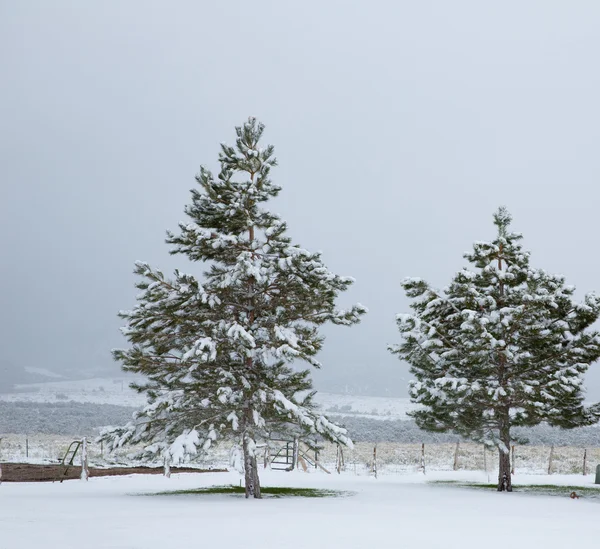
(29, 472)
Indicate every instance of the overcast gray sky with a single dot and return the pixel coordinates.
(399, 128)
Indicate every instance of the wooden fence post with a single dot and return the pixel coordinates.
(295, 453)
(85, 472)
(455, 464)
(375, 460)
(339, 459)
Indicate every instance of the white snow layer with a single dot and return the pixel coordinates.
(113, 512)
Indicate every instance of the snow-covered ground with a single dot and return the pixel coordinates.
(98, 391)
(364, 406)
(116, 391)
(43, 372)
(403, 511)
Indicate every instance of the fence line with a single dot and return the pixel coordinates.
(363, 458)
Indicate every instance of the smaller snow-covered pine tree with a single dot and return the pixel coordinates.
(504, 345)
(215, 352)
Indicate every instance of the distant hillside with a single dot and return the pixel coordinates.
(12, 375)
(60, 418)
(116, 391)
(80, 407)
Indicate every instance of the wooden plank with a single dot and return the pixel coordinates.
(29, 472)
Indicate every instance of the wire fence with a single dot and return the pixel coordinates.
(363, 458)
(386, 458)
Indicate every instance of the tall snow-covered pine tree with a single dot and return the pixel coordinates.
(504, 345)
(216, 351)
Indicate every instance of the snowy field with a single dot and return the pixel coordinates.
(400, 511)
(114, 391)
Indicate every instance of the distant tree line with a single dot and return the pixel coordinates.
(407, 432)
(76, 419)
(60, 418)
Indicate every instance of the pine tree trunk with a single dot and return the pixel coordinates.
(504, 475)
(504, 478)
(250, 463)
(257, 493)
(250, 470)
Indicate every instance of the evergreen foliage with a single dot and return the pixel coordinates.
(216, 352)
(504, 345)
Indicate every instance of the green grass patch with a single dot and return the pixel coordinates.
(266, 491)
(536, 489)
